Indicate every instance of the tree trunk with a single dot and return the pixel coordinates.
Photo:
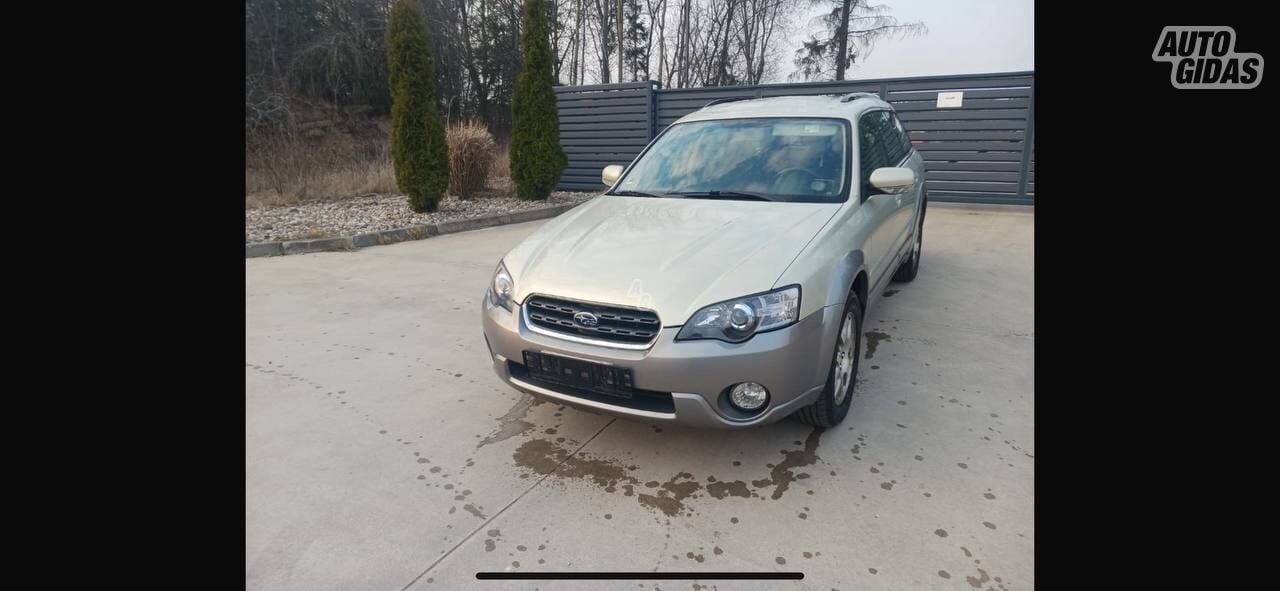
(620, 44)
(682, 46)
(722, 69)
(574, 39)
(662, 38)
(480, 89)
(582, 47)
(843, 36)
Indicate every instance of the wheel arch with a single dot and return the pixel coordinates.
(850, 272)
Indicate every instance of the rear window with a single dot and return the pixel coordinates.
(875, 151)
(900, 133)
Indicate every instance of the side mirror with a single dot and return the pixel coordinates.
(893, 180)
(610, 174)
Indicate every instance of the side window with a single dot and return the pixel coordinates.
(872, 148)
(891, 137)
(902, 135)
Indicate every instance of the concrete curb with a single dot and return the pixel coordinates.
(420, 232)
(318, 245)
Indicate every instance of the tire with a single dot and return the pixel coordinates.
(909, 268)
(826, 411)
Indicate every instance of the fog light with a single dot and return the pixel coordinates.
(748, 396)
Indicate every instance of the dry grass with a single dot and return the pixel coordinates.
(283, 170)
(291, 170)
(471, 155)
(500, 173)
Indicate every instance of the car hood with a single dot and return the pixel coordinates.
(673, 256)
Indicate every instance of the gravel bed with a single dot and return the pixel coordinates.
(373, 213)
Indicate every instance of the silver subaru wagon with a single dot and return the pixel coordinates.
(722, 279)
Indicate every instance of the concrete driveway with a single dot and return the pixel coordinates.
(382, 453)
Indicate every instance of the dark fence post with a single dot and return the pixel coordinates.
(1028, 140)
(652, 89)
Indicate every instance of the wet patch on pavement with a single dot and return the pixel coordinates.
(546, 458)
(874, 338)
(512, 423)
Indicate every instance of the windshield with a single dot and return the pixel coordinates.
(775, 159)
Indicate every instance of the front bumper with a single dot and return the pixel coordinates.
(792, 363)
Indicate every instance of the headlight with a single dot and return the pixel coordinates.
(501, 287)
(735, 321)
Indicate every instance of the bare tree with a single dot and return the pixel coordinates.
(602, 33)
(759, 22)
(657, 25)
(575, 40)
(853, 28)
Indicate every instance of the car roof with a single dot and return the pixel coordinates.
(831, 105)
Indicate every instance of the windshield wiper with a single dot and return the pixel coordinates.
(723, 195)
(630, 193)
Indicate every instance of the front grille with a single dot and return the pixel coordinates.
(627, 326)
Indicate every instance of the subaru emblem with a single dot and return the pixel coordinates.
(585, 319)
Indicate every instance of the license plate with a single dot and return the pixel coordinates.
(595, 377)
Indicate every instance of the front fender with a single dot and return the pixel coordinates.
(843, 273)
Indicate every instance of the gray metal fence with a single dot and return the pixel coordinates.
(981, 151)
(602, 125)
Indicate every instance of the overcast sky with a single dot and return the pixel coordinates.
(964, 37)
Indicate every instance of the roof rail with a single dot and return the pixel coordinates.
(728, 100)
(857, 95)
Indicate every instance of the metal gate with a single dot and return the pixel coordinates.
(978, 145)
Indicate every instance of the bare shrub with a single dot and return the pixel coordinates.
(471, 158)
